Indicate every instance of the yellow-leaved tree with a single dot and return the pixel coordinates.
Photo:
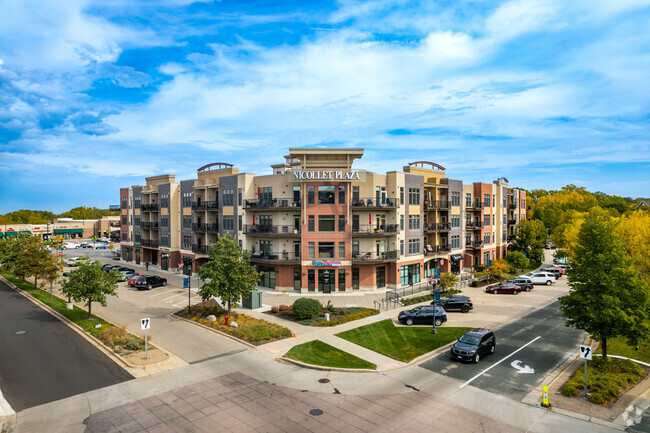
(634, 229)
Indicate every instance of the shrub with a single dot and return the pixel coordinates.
(275, 309)
(345, 318)
(474, 283)
(108, 336)
(306, 308)
(285, 307)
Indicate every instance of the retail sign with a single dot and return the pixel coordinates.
(333, 175)
(326, 262)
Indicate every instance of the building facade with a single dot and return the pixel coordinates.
(318, 224)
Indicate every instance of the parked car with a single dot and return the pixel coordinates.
(540, 277)
(456, 303)
(99, 246)
(124, 268)
(72, 261)
(561, 261)
(86, 246)
(423, 315)
(134, 279)
(71, 245)
(504, 288)
(150, 282)
(67, 273)
(474, 344)
(558, 272)
(109, 268)
(526, 284)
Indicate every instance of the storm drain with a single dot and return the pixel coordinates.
(323, 381)
(316, 412)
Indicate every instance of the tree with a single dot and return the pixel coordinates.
(89, 283)
(447, 281)
(607, 298)
(32, 259)
(517, 259)
(51, 271)
(530, 239)
(634, 228)
(497, 268)
(228, 274)
(10, 249)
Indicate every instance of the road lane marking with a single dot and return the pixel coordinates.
(162, 293)
(499, 362)
(519, 368)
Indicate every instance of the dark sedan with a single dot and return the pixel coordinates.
(423, 316)
(455, 303)
(513, 289)
(150, 282)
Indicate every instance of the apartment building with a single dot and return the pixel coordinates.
(319, 224)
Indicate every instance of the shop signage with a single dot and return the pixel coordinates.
(334, 175)
(326, 262)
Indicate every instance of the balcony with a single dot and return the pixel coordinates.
(436, 205)
(443, 227)
(149, 243)
(374, 230)
(512, 222)
(270, 230)
(512, 205)
(150, 225)
(473, 245)
(477, 225)
(213, 227)
(477, 205)
(374, 257)
(271, 204)
(274, 257)
(382, 202)
(200, 249)
(203, 205)
(149, 207)
(438, 249)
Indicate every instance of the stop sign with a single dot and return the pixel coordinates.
(58, 253)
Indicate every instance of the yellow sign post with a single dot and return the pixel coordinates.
(545, 402)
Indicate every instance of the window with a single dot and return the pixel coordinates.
(414, 246)
(310, 194)
(124, 236)
(228, 197)
(296, 195)
(136, 202)
(355, 194)
(494, 220)
(401, 222)
(355, 248)
(164, 240)
(326, 250)
(239, 196)
(486, 200)
(341, 280)
(136, 221)
(503, 237)
(381, 277)
(325, 194)
(414, 222)
(164, 221)
(486, 258)
(137, 237)
(187, 199)
(342, 250)
(229, 223)
(455, 198)
(125, 203)
(409, 274)
(241, 223)
(494, 200)
(124, 220)
(355, 278)
(311, 280)
(311, 223)
(414, 196)
(164, 200)
(486, 238)
(187, 242)
(266, 195)
(455, 241)
(455, 221)
(266, 221)
(355, 223)
(341, 223)
(267, 279)
(468, 199)
(311, 250)
(266, 246)
(325, 223)
(187, 221)
(401, 247)
(486, 220)
(523, 204)
(341, 194)
(401, 195)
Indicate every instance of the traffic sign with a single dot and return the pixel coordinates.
(58, 253)
(145, 323)
(585, 352)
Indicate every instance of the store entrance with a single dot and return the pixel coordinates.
(137, 257)
(325, 280)
(164, 262)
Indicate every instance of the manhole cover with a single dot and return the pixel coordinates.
(21, 332)
(323, 381)
(316, 412)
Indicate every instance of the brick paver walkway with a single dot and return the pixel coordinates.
(238, 403)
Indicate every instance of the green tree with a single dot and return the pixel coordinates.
(607, 298)
(530, 239)
(51, 272)
(32, 259)
(10, 249)
(517, 259)
(89, 283)
(228, 274)
(447, 281)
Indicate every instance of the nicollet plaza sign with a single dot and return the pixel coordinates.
(340, 175)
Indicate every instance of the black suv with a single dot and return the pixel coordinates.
(526, 284)
(423, 315)
(150, 281)
(474, 344)
(455, 303)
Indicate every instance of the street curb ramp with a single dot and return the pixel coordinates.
(7, 416)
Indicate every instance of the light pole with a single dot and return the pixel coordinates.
(433, 331)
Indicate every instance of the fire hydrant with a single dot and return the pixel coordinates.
(226, 320)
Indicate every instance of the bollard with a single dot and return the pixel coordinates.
(545, 402)
(327, 317)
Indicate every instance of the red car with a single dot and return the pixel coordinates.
(134, 279)
(504, 288)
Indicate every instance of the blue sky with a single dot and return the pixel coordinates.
(95, 96)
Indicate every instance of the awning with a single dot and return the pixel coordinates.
(11, 233)
(2, 234)
(25, 231)
(456, 257)
(68, 231)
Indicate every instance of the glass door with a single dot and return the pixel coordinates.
(164, 262)
(325, 280)
(297, 282)
(137, 257)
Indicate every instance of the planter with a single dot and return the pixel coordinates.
(69, 305)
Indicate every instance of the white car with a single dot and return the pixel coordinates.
(70, 245)
(540, 277)
(72, 261)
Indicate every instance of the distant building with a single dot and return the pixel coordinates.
(66, 227)
(645, 204)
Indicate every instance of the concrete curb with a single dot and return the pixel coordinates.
(246, 343)
(7, 416)
(323, 368)
(79, 330)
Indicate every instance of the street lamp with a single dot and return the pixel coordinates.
(433, 331)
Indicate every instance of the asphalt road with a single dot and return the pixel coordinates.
(541, 354)
(42, 359)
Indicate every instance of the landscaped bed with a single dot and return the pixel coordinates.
(401, 343)
(618, 346)
(337, 315)
(606, 381)
(114, 337)
(322, 354)
(249, 329)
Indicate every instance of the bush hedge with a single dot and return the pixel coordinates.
(306, 308)
(346, 318)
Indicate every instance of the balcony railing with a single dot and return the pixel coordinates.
(374, 230)
(267, 229)
(437, 249)
(477, 205)
(272, 257)
(200, 249)
(149, 243)
(271, 204)
(436, 205)
(148, 225)
(512, 222)
(473, 245)
(382, 202)
(204, 227)
(203, 205)
(373, 256)
(476, 225)
(513, 205)
(149, 207)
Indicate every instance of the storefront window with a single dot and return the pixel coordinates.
(325, 194)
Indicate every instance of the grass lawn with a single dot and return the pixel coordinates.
(401, 343)
(618, 346)
(318, 353)
(606, 381)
